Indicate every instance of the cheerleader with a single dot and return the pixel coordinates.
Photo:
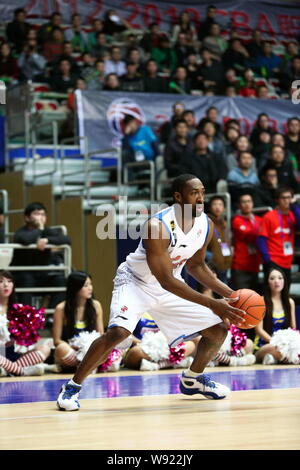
(280, 315)
(150, 350)
(80, 312)
(12, 362)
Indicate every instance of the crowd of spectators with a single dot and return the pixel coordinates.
(111, 55)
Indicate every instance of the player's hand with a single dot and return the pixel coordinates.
(229, 314)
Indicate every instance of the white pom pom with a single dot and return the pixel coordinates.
(226, 346)
(4, 333)
(83, 342)
(21, 349)
(155, 345)
(288, 344)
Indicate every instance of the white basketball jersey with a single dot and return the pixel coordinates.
(182, 246)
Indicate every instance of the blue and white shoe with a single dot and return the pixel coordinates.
(68, 398)
(203, 385)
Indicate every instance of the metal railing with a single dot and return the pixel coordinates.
(66, 267)
(147, 164)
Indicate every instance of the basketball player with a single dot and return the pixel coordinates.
(150, 280)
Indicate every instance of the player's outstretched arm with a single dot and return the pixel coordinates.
(156, 243)
(197, 268)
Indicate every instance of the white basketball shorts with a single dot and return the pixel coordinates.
(178, 319)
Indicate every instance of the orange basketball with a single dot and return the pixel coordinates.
(253, 304)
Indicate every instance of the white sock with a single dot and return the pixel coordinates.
(71, 382)
(190, 373)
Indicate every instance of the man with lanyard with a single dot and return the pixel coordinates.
(276, 240)
(246, 257)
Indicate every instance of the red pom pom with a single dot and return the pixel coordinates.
(238, 340)
(112, 357)
(177, 353)
(24, 321)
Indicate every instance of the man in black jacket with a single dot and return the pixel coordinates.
(35, 232)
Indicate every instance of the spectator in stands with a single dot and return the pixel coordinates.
(280, 314)
(241, 144)
(87, 69)
(64, 80)
(132, 79)
(112, 82)
(246, 257)
(219, 246)
(76, 35)
(180, 82)
(92, 37)
(17, 30)
(248, 86)
(284, 168)
(8, 65)
(214, 42)
(290, 73)
(192, 70)
(277, 235)
(183, 49)
(230, 137)
(134, 55)
(139, 142)
(262, 124)
(113, 23)
(96, 80)
(212, 114)
(132, 44)
(254, 47)
(279, 139)
(53, 47)
(67, 54)
(115, 64)
(292, 137)
(267, 64)
(151, 38)
(178, 148)
(31, 63)
(209, 128)
(45, 31)
(262, 92)
(168, 126)
(35, 231)
(267, 189)
(185, 27)
(101, 48)
(244, 173)
(200, 161)
(164, 56)
(231, 79)
(235, 56)
(230, 92)
(210, 19)
(77, 313)
(189, 117)
(291, 50)
(152, 82)
(235, 123)
(210, 73)
(262, 149)
(13, 362)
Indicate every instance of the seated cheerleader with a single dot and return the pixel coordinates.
(79, 313)
(275, 340)
(12, 362)
(150, 350)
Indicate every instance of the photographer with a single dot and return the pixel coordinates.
(31, 63)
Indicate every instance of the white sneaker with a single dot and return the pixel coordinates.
(202, 385)
(247, 360)
(3, 372)
(148, 365)
(269, 359)
(37, 369)
(184, 363)
(68, 398)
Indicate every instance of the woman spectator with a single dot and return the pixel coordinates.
(8, 65)
(247, 85)
(112, 83)
(262, 124)
(215, 143)
(214, 42)
(78, 313)
(53, 48)
(184, 26)
(280, 314)
(15, 363)
(262, 148)
(230, 137)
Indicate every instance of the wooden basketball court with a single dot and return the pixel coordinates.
(134, 410)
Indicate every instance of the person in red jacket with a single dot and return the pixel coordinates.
(246, 257)
(276, 240)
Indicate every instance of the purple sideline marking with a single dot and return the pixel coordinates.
(143, 385)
